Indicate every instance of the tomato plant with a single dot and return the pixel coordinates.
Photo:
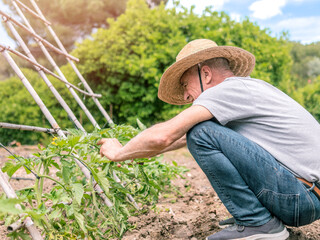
(71, 209)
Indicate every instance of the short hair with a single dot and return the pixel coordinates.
(218, 63)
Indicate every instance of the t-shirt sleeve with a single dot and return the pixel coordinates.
(228, 101)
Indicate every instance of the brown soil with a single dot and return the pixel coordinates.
(194, 214)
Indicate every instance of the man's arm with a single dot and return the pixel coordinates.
(181, 142)
(155, 139)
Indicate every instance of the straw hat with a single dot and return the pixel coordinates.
(170, 90)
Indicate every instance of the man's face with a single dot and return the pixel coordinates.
(191, 84)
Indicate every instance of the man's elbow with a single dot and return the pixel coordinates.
(162, 141)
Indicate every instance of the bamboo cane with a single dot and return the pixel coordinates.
(131, 199)
(42, 68)
(33, 93)
(28, 128)
(46, 53)
(35, 234)
(59, 43)
(32, 12)
(38, 38)
(15, 226)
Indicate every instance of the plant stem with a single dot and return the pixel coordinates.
(36, 187)
(52, 179)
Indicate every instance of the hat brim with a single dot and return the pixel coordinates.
(170, 90)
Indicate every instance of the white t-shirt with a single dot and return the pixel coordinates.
(269, 117)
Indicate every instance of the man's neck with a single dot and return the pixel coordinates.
(219, 78)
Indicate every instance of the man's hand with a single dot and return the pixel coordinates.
(109, 148)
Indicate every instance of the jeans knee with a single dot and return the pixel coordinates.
(198, 132)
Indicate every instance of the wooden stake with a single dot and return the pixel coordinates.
(33, 93)
(28, 128)
(82, 79)
(35, 234)
(37, 37)
(32, 12)
(42, 68)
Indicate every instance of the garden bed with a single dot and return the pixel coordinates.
(193, 214)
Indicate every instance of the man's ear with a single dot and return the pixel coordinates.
(207, 72)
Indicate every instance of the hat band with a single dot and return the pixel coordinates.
(199, 72)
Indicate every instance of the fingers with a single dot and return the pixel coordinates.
(102, 141)
(109, 147)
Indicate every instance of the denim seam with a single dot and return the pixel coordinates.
(307, 192)
(293, 195)
(297, 211)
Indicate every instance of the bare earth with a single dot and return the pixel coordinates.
(192, 215)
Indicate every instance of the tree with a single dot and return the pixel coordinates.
(72, 20)
(305, 62)
(314, 67)
(309, 97)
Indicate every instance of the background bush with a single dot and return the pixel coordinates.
(126, 61)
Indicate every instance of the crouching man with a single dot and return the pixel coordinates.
(258, 147)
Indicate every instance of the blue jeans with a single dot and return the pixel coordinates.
(249, 180)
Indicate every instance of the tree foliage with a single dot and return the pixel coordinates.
(306, 62)
(309, 97)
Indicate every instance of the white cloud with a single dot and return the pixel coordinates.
(305, 29)
(264, 9)
(200, 5)
(235, 16)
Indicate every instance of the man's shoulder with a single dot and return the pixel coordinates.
(244, 80)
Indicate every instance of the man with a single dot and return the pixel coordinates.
(259, 148)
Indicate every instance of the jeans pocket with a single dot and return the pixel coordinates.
(283, 206)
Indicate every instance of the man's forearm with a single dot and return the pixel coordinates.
(149, 143)
(160, 138)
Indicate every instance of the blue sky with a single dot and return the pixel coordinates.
(301, 18)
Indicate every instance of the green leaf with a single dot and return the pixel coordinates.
(103, 181)
(55, 214)
(77, 189)
(66, 173)
(80, 220)
(154, 184)
(27, 170)
(73, 140)
(8, 206)
(11, 167)
(120, 188)
(136, 170)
